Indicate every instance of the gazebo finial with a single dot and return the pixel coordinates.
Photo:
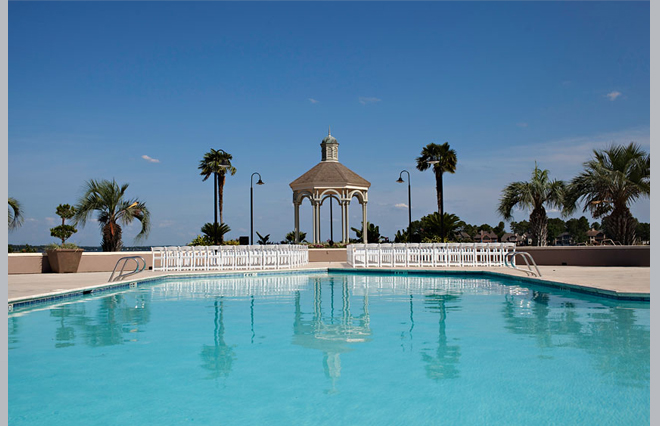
(328, 130)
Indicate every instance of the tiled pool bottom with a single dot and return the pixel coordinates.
(331, 349)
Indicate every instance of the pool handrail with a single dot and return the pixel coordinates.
(510, 257)
(138, 267)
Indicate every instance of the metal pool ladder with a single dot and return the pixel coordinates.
(509, 261)
(140, 266)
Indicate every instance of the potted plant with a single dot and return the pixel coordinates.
(66, 257)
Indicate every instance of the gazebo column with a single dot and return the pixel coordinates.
(364, 222)
(313, 221)
(316, 216)
(296, 221)
(318, 222)
(348, 226)
(342, 204)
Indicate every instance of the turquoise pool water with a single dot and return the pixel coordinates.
(335, 349)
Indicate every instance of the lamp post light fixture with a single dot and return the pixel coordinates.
(260, 182)
(224, 163)
(400, 180)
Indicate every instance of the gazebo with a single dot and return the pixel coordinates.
(329, 179)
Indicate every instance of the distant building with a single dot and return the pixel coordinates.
(514, 238)
(596, 237)
(564, 239)
(485, 237)
(463, 236)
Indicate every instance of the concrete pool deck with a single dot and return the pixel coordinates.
(613, 282)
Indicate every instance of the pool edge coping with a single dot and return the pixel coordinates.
(82, 291)
(94, 289)
(610, 294)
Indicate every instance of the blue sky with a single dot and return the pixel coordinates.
(139, 91)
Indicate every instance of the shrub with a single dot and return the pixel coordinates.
(64, 231)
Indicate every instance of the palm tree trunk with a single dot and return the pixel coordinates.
(215, 203)
(620, 226)
(441, 207)
(538, 225)
(111, 239)
(221, 187)
(215, 198)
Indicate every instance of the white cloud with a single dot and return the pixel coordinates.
(365, 101)
(151, 160)
(521, 124)
(401, 206)
(51, 221)
(314, 101)
(561, 156)
(613, 95)
(166, 223)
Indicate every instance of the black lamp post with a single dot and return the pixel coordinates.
(260, 182)
(400, 180)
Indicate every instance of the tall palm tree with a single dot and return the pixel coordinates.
(14, 214)
(611, 181)
(107, 198)
(443, 159)
(540, 191)
(217, 163)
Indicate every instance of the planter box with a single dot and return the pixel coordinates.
(64, 260)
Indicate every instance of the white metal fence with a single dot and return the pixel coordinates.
(428, 254)
(217, 258)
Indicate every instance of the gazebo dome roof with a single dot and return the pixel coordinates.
(329, 174)
(329, 139)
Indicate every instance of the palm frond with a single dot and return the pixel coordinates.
(616, 176)
(442, 153)
(212, 163)
(15, 213)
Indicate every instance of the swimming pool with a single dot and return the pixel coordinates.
(331, 348)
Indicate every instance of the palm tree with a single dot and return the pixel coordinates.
(216, 163)
(612, 180)
(215, 231)
(533, 195)
(107, 198)
(14, 214)
(373, 233)
(433, 227)
(444, 160)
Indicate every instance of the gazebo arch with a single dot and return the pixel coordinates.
(329, 178)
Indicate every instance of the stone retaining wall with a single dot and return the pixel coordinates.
(591, 256)
(37, 263)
